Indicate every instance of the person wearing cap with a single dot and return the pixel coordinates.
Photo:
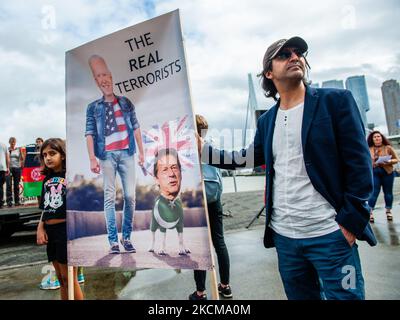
(318, 178)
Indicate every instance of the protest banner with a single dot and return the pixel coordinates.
(132, 156)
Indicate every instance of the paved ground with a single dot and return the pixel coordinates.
(241, 207)
(254, 272)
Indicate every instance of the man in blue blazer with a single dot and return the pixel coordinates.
(318, 178)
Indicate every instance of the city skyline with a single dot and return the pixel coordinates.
(337, 84)
(358, 87)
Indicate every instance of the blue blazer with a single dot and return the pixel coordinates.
(336, 157)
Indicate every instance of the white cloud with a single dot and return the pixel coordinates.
(225, 40)
(36, 120)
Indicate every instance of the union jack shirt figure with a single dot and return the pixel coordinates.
(174, 134)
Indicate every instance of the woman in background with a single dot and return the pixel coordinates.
(379, 146)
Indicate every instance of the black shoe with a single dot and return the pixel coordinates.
(195, 296)
(128, 246)
(226, 292)
(9, 204)
(114, 249)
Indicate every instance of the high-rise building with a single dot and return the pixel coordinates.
(391, 101)
(337, 84)
(358, 87)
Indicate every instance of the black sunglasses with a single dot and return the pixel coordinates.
(287, 53)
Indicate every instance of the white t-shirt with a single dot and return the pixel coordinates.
(299, 211)
(3, 155)
(15, 157)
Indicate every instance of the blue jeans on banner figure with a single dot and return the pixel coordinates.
(122, 163)
(384, 180)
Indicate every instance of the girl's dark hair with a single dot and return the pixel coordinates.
(55, 144)
(268, 86)
(370, 139)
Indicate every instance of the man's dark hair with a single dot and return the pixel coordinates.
(165, 152)
(268, 86)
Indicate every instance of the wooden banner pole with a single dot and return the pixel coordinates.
(214, 286)
(213, 275)
(71, 283)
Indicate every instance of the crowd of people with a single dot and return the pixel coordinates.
(322, 182)
(12, 162)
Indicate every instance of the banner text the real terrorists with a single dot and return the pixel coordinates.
(137, 63)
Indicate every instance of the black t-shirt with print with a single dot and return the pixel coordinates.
(53, 196)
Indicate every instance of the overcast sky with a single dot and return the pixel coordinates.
(225, 40)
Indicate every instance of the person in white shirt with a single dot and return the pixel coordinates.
(318, 178)
(17, 159)
(4, 170)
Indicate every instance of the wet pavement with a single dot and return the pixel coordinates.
(254, 271)
(240, 208)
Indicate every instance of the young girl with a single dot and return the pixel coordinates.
(52, 228)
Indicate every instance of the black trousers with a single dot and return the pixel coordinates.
(217, 236)
(13, 180)
(2, 180)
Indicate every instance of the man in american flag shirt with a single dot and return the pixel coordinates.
(111, 131)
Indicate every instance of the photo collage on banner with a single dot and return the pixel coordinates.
(135, 197)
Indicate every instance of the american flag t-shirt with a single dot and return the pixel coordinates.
(115, 128)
